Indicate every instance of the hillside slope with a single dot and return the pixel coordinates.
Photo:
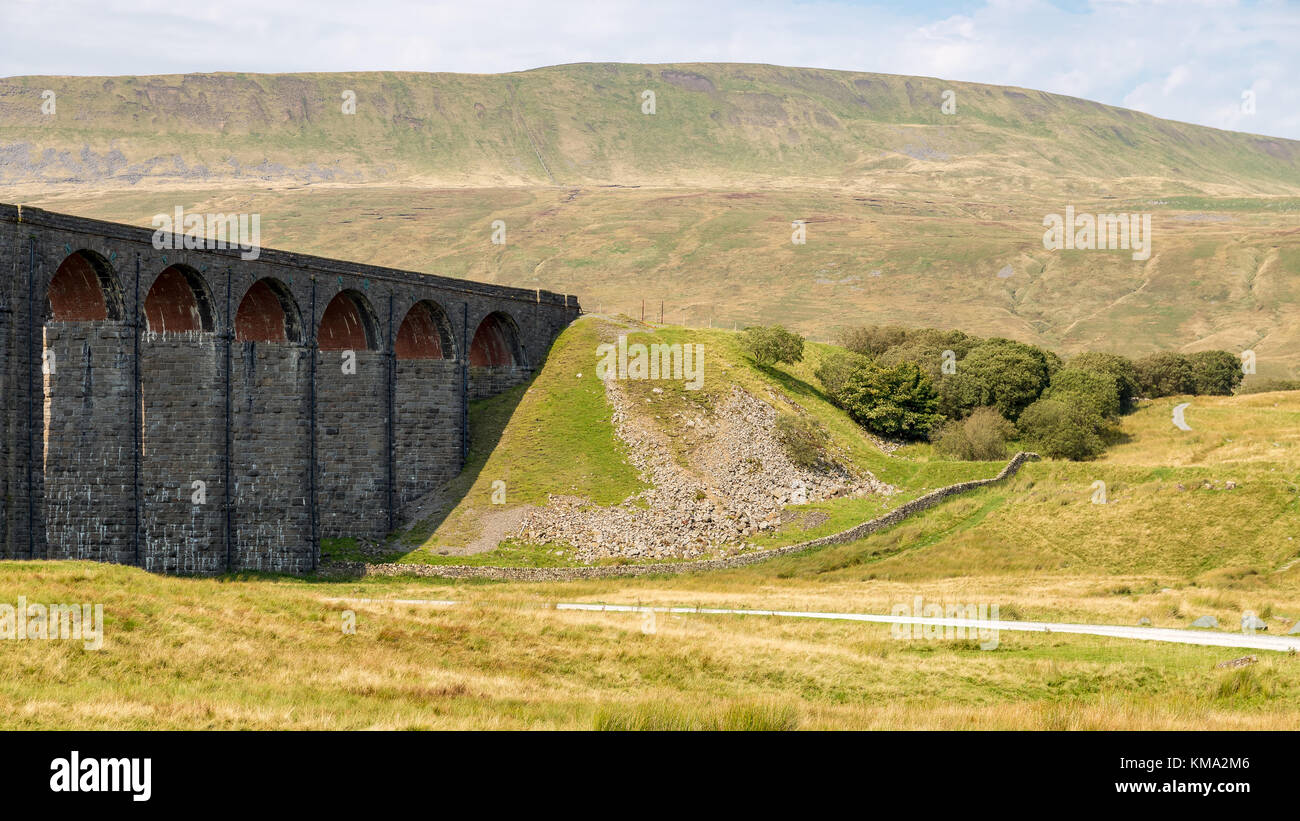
(1186, 506)
(912, 215)
(713, 124)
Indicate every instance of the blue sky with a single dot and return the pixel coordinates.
(1187, 60)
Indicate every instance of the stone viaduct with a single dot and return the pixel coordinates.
(193, 411)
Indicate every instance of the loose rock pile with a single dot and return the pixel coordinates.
(739, 481)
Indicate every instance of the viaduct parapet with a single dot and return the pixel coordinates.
(193, 411)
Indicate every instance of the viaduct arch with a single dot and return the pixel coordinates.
(192, 411)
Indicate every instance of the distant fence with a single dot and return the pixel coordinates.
(542, 574)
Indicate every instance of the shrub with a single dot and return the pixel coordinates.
(982, 436)
(895, 402)
(770, 345)
(1064, 428)
(802, 438)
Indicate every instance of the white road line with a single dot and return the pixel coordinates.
(428, 602)
(1251, 641)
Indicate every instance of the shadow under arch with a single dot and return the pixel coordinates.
(268, 313)
(179, 301)
(84, 288)
(496, 342)
(348, 323)
(425, 333)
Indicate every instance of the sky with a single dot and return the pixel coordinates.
(1233, 65)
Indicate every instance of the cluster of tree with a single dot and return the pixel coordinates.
(970, 395)
(1206, 373)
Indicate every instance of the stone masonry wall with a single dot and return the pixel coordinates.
(89, 500)
(490, 380)
(427, 436)
(269, 425)
(183, 441)
(351, 445)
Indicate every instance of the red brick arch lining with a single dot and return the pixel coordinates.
(348, 324)
(425, 333)
(267, 313)
(83, 289)
(495, 342)
(178, 301)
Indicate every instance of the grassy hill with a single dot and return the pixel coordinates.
(555, 436)
(1168, 512)
(913, 216)
(583, 124)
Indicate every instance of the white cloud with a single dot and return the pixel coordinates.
(1187, 60)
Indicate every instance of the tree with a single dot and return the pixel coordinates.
(896, 402)
(1165, 374)
(872, 340)
(1098, 391)
(982, 436)
(926, 354)
(770, 345)
(961, 393)
(1215, 373)
(1119, 367)
(1012, 374)
(835, 370)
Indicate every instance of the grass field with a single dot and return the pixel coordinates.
(271, 653)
